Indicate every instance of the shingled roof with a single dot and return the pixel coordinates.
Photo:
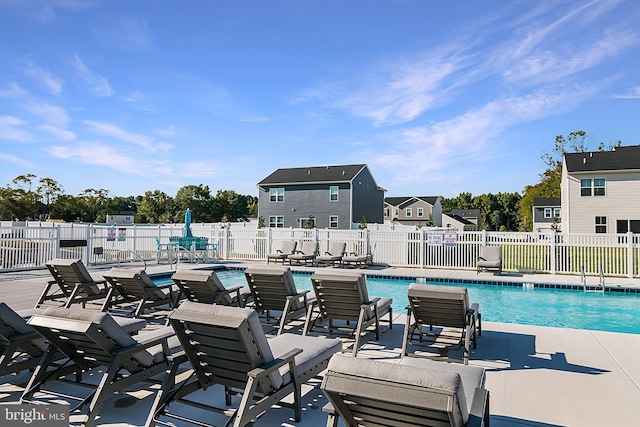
(621, 158)
(548, 201)
(398, 201)
(313, 174)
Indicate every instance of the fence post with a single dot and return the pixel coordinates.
(89, 247)
(553, 251)
(57, 241)
(422, 248)
(227, 239)
(630, 254)
(135, 238)
(269, 240)
(483, 237)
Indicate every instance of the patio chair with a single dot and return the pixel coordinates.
(333, 255)
(273, 289)
(414, 392)
(92, 340)
(306, 254)
(287, 248)
(205, 286)
(489, 259)
(227, 346)
(355, 260)
(447, 308)
(74, 285)
(133, 284)
(344, 296)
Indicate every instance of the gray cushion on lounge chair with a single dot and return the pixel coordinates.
(429, 377)
(16, 322)
(314, 351)
(472, 376)
(110, 327)
(144, 279)
(253, 321)
(421, 290)
(78, 267)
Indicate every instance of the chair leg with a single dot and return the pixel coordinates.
(405, 338)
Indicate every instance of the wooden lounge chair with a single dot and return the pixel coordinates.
(205, 286)
(344, 296)
(414, 392)
(133, 284)
(489, 259)
(273, 289)
(21, 346)
(307, 254)
(333, 255)
(74, 285)
(227, 346)
(287, 248)
(447, 308)
(92, 339)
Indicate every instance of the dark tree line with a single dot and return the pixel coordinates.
(29, 198)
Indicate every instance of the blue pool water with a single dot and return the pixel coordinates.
(612, 311)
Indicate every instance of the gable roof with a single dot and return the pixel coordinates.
(549, 201)
(313, 174)
(464, 213)
(397, 201)
(620, 158)
(458, 218)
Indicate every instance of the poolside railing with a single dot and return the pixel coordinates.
(556, 253)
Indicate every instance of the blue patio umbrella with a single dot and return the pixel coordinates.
(187, 224)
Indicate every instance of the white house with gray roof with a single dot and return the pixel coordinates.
(336, 196)
(413, 210)
(600, 191)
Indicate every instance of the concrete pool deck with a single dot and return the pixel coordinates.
(536, 376)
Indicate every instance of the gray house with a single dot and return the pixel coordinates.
(336, 197)
(547, 214)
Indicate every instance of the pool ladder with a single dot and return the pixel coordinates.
(598, 288)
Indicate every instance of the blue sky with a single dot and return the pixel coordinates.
(437, 98)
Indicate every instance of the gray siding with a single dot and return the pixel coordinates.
(368, 199)
(307, 199)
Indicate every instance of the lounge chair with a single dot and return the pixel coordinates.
(227, 346)
(448, 309)
(205, 286)
(273, 289)
(489, 259)
(355, 260)
(344, 296)
(287, 248)
(414, 392)
(306, 254)
(133, 284)
(75, 285)
(333, 255)
(92, 339)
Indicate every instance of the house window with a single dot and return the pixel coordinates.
(595, 187)
(598, 187)
(547, 212)
(333, 193)
(276, 221)
(386, 212)
(408, 212)
(420, 212)
(333, 221)
(276, 194)
(556, 212)
(397, 213)
(601, 224)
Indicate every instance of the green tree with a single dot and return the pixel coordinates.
(232, 205)
(198, 199)
(156, 207)
(48, 190)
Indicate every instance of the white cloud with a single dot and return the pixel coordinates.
(11, 128)
(125, 33)
(97, 84)
(50, 114)
(16, 160)
(58, 133)
(46, 78)
(13, 90)
(114, 131)
(632, 93)
(98, 154)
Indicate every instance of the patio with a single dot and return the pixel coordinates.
(537, 376)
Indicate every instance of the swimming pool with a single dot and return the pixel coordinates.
(562, 308)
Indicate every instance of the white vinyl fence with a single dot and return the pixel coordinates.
(32, 245)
